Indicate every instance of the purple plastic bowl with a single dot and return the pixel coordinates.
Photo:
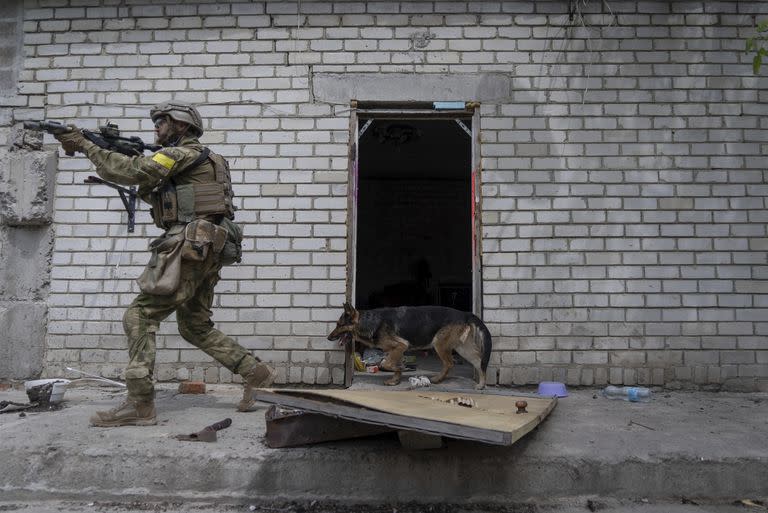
(552, 389)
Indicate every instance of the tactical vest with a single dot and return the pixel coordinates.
(176, 202)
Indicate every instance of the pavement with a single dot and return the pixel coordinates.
(680, 448)
(198, 507)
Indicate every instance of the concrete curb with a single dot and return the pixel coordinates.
(586, 447)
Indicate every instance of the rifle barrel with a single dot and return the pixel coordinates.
(109, 139)
(52, 127)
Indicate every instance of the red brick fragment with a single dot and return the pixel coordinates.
(191, 387)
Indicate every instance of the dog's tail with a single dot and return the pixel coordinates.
(486, 343)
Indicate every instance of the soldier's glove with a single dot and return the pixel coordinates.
(71, 141)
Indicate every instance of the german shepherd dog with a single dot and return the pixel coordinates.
(396, 330)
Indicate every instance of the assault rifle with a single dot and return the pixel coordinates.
(109, 138)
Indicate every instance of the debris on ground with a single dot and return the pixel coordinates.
(467, 402)
(191, 387)
(208, 433)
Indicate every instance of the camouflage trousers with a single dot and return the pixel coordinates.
(192, 303)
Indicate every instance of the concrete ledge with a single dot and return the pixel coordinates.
(343, 87)
(588, 446)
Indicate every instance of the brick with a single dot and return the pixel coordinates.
(192, 387)
(608, 211)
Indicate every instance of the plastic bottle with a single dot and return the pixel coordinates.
(631, 394)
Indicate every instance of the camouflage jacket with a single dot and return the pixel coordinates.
(150, 171)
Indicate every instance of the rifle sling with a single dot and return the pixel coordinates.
(199, 160)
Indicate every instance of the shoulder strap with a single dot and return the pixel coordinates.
(199, 160)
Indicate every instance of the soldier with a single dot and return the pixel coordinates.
(190, 191)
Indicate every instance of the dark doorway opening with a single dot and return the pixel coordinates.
(414, 224)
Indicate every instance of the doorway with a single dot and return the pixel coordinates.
(414, 213)
(414, 207)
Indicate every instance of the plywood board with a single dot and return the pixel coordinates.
(492, 418)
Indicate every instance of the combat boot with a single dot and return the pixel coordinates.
(261, 375)
(130, 413)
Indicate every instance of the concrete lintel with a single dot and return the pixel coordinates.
(404, 87)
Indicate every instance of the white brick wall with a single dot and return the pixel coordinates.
(624, 186)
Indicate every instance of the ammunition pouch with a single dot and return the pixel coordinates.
(232, 251)
(200, 200)
(202, 237)
(165, 206)
(193, 242)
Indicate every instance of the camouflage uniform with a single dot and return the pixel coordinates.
(193, 300)
(181, 165)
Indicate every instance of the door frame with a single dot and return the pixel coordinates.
(410, 110)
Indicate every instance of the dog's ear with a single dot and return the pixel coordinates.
(348, 309)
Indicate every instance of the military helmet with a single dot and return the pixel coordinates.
(180, 111)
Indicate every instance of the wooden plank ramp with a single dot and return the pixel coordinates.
(489, 418)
